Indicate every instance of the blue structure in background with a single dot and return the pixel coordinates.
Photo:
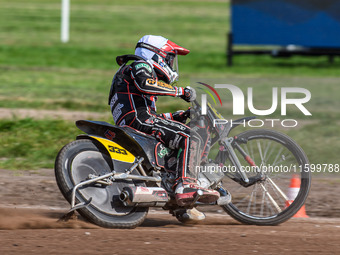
(312, 26)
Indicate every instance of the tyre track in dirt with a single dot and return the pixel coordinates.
(162, 234)
(31, 204)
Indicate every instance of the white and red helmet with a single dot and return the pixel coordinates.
(162, 54)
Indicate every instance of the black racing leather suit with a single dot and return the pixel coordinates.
(132, 99)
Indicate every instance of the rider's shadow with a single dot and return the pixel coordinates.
(171, 222)
(153, 222)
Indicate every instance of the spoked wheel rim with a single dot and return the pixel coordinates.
(280, 162)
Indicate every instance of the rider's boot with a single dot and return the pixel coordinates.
(189, 215)
(186, 192)
(225, 196)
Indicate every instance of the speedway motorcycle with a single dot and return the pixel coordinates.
(112, 175)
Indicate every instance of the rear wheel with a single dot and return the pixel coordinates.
(75, 163)
(272, 201)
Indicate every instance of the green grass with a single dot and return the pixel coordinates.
(31, 144)
(101, 30)
(38, 71)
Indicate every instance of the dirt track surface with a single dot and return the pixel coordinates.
(30, 205)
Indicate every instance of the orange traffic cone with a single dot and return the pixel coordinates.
(293, 191)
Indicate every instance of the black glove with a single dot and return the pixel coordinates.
(181, 115)
(189, 94)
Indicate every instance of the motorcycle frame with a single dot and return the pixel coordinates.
(108, 179)
(228, 143)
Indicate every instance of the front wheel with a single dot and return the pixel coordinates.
(273, 200)
(75, 163)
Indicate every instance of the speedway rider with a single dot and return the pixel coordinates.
(133, 95)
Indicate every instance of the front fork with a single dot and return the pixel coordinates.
(231, 143)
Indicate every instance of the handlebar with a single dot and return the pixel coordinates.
(187, 113)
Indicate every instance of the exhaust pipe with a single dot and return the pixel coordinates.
(144, 196)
